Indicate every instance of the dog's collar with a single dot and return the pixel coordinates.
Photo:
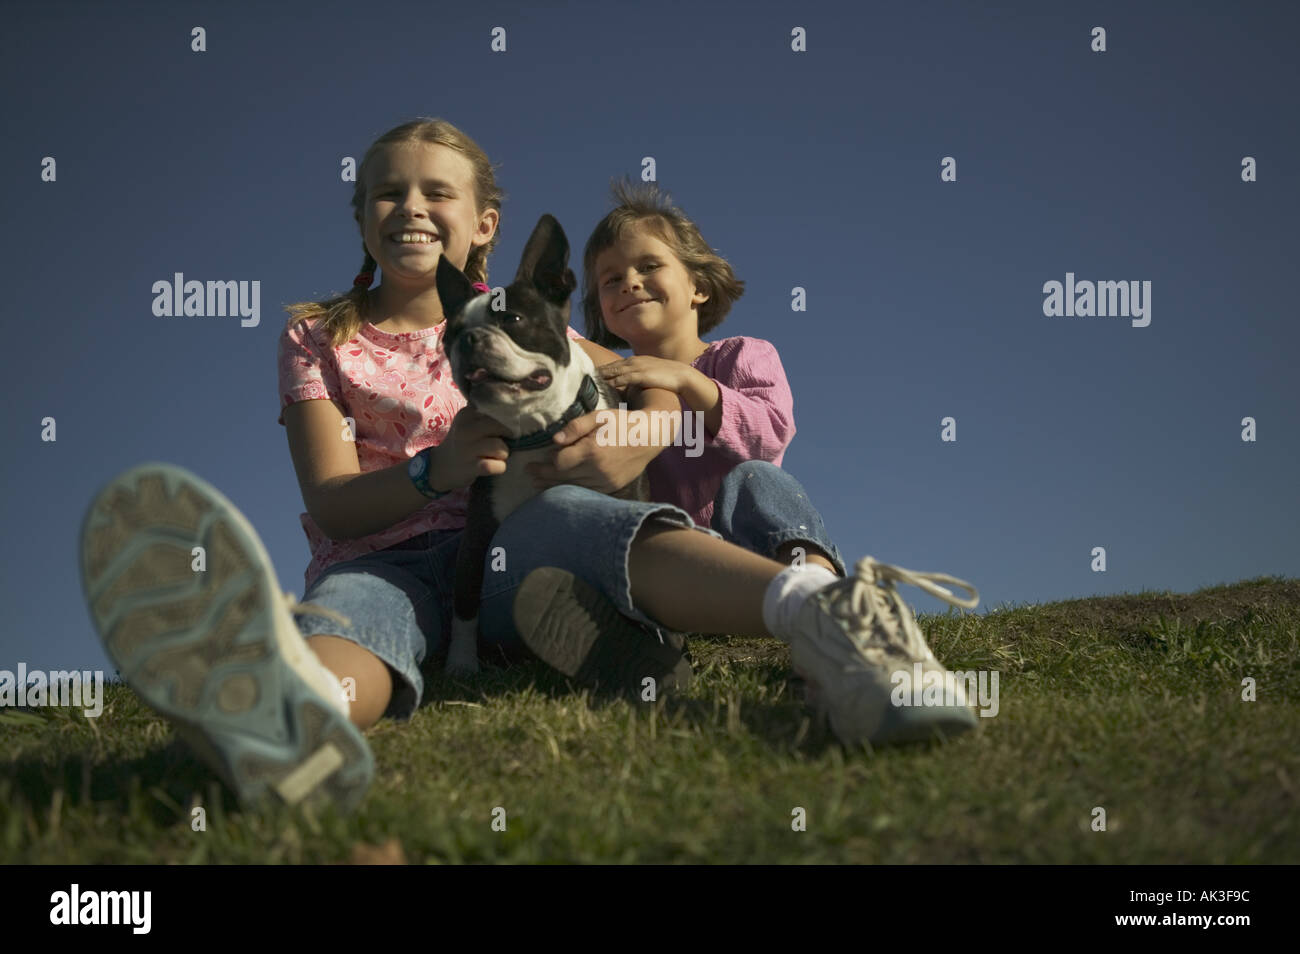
(588, 397)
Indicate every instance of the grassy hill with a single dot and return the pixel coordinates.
(1129, 703)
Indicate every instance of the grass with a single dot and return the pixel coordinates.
(1130, 703)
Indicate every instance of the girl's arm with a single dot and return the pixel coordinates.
(347, 504)
(344, 503)
(649, 397)
(747, 406)
(755, 406)
(701, 393)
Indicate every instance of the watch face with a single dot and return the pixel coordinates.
(417, 466)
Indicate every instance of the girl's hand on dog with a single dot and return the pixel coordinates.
(472, 448)
(645, 371)
(582, 460)
(698, 390)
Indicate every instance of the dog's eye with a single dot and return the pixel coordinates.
(508, 318)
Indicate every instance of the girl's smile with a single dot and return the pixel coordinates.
(635, 304)
(416, 245)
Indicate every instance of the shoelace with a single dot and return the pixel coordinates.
(869, 599)
(296, 608)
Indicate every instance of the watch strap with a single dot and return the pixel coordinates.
(420, 475)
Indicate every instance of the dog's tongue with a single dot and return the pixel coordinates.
(536, 381)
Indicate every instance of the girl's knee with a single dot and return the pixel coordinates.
(369, 681)
(752, 480)
(751, 476)
(562, 498)
(753, 467)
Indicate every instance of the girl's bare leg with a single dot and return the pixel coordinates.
(371, 678)
(786, 553)
(696, 583)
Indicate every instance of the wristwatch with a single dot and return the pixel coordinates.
(418, 471)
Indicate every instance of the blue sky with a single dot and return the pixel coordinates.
(818, 169)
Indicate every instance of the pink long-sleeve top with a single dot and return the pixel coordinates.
(757, 424)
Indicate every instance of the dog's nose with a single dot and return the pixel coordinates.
(474, 341)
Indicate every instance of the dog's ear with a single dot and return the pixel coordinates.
(545, 262)
(454, 288)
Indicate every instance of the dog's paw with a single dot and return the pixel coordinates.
(462, 669)
(462, 654)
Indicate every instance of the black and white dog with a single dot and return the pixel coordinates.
(516, 365)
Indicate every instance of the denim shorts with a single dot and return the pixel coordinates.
(399, 600)
(762, 507)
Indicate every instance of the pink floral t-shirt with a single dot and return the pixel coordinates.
(399, 391)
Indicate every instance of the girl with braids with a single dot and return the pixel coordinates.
(273, 694)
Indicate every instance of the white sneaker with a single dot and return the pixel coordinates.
(215, 650)
(856, 646)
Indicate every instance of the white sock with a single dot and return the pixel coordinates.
(785, 596)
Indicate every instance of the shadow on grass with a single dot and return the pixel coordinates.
(787, 724)
(160, 786)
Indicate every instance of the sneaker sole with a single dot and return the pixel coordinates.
(200, 647)
(572, 628)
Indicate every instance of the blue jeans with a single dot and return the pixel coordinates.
(761, 507)
(399, 600)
